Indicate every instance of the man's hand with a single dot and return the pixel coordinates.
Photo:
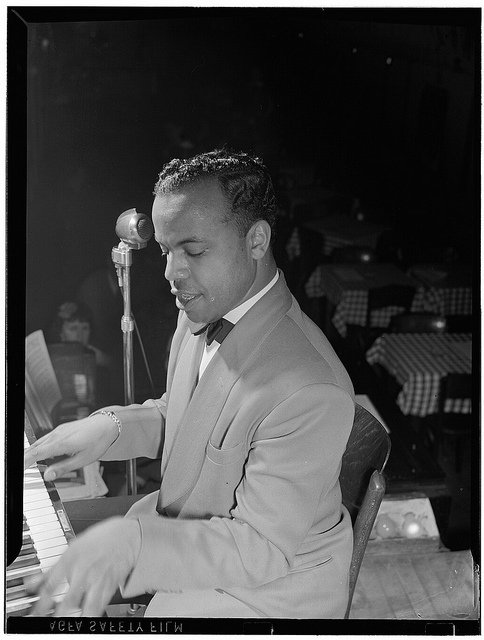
(85, 441)
(96, 563)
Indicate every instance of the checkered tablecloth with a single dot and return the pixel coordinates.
(448, 295)
(418, 361)
(347, 285)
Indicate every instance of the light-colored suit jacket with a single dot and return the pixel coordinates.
(250, 498)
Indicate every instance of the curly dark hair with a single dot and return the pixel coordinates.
(243, 178)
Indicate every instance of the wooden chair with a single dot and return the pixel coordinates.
(362, 483)
(393, 295)
(353, 254)
(362, 486)
(462, 323)
(73, 362)
(418, 323)
(457, 426)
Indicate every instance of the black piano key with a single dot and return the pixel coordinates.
(16, 593)
(14, 582)
(25, 561)
(26, 549)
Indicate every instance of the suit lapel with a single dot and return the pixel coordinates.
(184, 382)
(200, 416)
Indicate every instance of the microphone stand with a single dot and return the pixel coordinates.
(123, 259)
(134, 230)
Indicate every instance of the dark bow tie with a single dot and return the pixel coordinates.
(217, 330)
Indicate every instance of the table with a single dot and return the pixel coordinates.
(411, 466)
(338, 230)
(346, 287)
(418, 361)
(341, 231)
(447, 288)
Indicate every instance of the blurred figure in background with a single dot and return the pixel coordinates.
(73, 324)
(82, 369)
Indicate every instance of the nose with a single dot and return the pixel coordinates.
(176, 269)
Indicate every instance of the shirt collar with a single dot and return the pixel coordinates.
(235, 315)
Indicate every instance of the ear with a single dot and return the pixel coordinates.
(259, 239)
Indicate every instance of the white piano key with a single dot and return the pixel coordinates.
(22, 603)
(43, 519)
(48, 544)
(46, 563)
(51, 534)
(42, 511)
(44, 524)
(52, 552)
(32, 507)
(23, 571)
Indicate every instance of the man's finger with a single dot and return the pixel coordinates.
(44, 448)
(33, 583)
(72, 601)
(97, 599)
(29, 458)
(45, 604)
(59, 469)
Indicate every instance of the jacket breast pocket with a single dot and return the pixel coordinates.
(224, 456)
(221, 474)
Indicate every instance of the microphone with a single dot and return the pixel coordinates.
(134, 229)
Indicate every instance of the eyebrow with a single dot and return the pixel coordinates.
(185, 240)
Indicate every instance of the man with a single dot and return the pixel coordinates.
(248, 520)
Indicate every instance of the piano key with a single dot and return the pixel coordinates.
(53, 551)
(23, 571)
(55, 532)
(45, 535)
(25, 561)
(43, 519)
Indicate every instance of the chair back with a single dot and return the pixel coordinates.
(457, 387)
(418, 323)
(393, 295)
(454, 386)
(75, 369)
(353, 254)
(460, 323)
(362, 483)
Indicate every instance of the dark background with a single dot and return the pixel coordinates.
(382, 102)
(385, 104)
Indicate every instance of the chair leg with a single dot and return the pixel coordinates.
(458, 456)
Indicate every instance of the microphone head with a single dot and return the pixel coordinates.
(135, 229)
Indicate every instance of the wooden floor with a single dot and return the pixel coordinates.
(431, 586)
(417, 586)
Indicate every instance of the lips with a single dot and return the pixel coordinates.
(184, 297)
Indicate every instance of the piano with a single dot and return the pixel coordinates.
(45, 536)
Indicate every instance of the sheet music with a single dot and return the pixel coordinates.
(42, 390)
(42, 394)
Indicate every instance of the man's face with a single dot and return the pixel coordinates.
(209, 266)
